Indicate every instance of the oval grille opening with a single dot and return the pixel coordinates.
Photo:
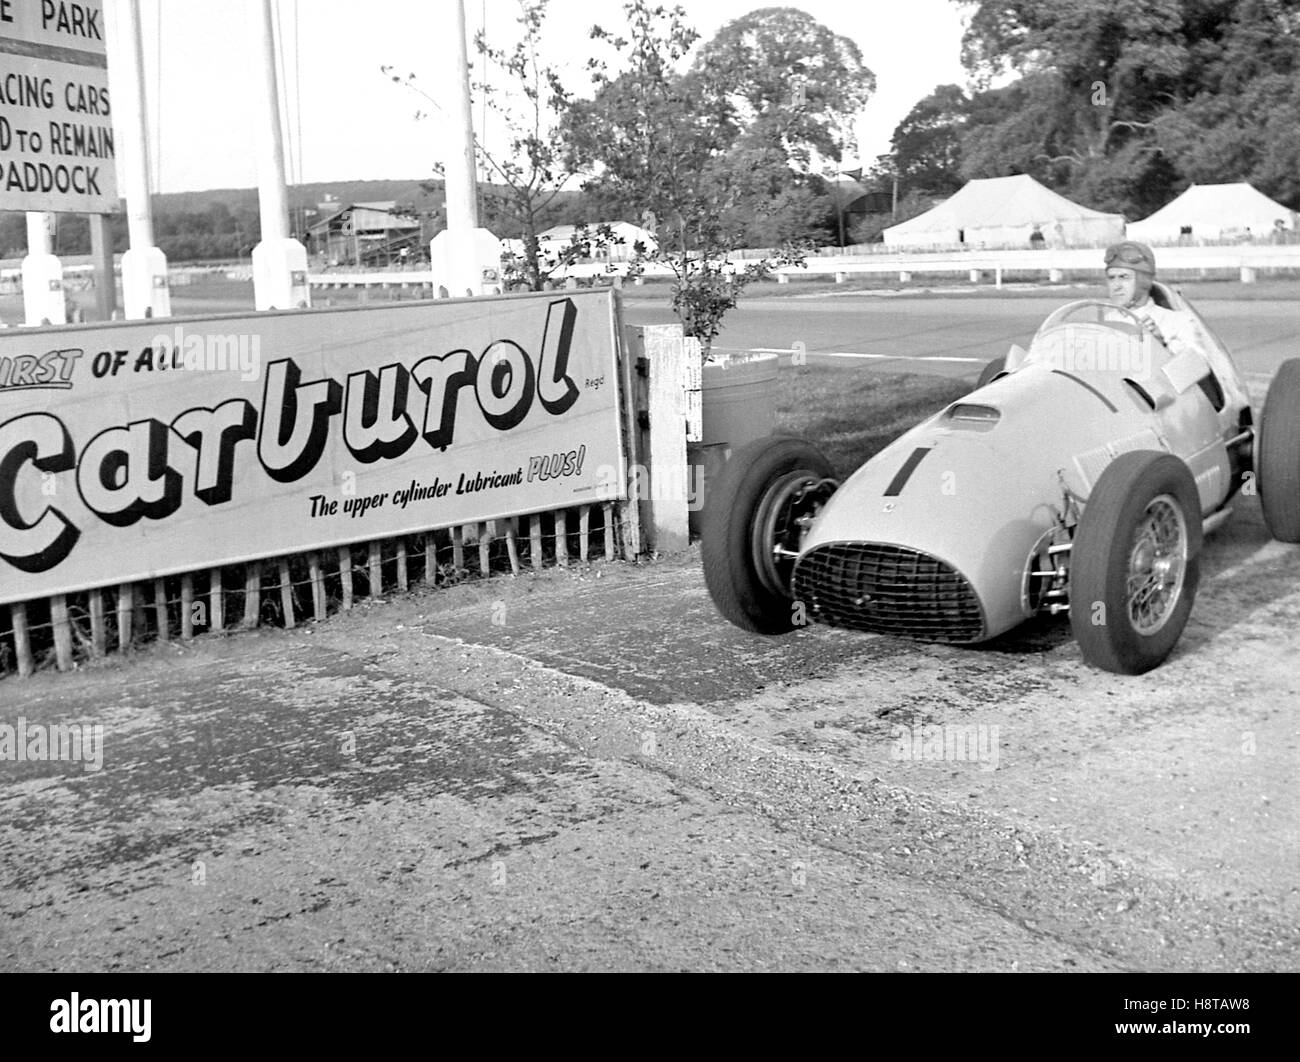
(888, 590)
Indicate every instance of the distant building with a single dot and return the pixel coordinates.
(364, 234)
(626, 237)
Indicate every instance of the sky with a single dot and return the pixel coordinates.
(347, 121)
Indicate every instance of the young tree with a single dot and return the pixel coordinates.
(529, 174)
(665, 149)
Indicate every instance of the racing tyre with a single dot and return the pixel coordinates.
(989, 371)
(1134, 565)
(1278, 459)
(750, 525)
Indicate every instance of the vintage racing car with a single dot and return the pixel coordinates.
(1079, 476)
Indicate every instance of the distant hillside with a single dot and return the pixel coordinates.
(224, 223)
(304, 195)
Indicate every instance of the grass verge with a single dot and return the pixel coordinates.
(852, 414)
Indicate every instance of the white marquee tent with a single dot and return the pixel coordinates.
(1004, 212)
(1214, 212)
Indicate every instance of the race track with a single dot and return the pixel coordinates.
(956, 336)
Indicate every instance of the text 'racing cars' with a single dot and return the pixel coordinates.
(1079, 476)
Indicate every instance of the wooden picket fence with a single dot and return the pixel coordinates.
(303, 587)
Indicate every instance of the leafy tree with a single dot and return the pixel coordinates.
(716, 158)
(1124, 102)
(784, 79)
(926, 146)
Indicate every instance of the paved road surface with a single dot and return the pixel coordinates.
(912, 333)
(590, 770)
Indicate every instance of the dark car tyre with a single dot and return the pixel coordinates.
(989, 371)
(1278, 458)
(1134, 565)
(764, 486)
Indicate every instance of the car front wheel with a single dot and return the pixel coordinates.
(1278, 460)
(1134, 562)
(764, 498)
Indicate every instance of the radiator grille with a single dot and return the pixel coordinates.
(887, 590)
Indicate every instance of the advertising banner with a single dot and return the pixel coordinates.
(56, 130)
(134, 450)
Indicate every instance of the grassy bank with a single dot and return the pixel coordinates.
(851, 414)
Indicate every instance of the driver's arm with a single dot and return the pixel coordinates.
(1181, 333)
(1177, 330)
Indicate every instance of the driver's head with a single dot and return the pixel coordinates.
(1130, 269)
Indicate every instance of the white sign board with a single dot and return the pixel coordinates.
(56, 131)
(140, 449)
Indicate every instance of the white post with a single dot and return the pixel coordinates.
(145, 292)
(462, 192)
(466, 259)
(43, 297)
(279, 261)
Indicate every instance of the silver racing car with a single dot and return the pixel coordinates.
(1079, 476)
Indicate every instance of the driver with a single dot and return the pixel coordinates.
(1130, 271)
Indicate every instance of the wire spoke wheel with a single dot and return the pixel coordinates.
(784, 513)
(756, 516)
(1134, 563)
(1157, 565)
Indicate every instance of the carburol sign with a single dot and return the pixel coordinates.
(135, 450)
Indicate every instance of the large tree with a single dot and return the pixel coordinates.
(1124, 102)
(787, 81)
(926, 146)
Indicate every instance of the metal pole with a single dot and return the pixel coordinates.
(273, 199)
(139, 208)
(279, 261)
(145, 290)
(462, 198)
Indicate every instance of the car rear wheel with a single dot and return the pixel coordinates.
(989, 371)
(755, 516)
(1278, 460)
(1134, 563)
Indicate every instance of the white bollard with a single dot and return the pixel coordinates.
(1247, 274)
(1055, 276)
(280, 275)
(904, 277)
(145, 291)
(840, 278)
(781, 278)
(974, 276)
(44, 302)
